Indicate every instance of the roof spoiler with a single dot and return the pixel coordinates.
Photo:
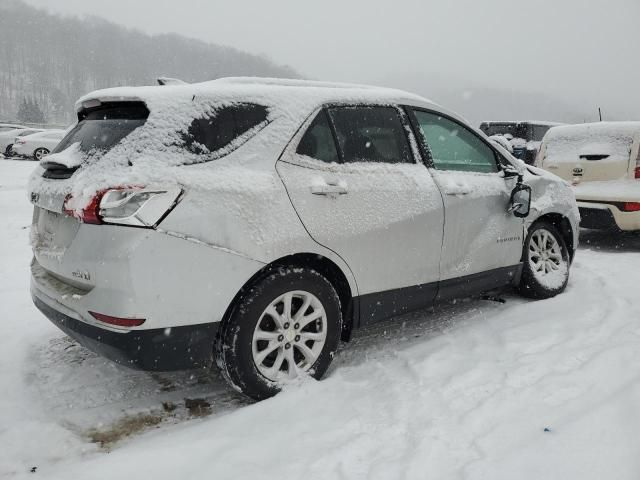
(170, 81)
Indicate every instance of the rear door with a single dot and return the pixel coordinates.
(482, 240)
(355, 183)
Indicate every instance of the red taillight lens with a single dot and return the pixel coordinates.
(636, 172)
(132, 206)
(90, 213)
(631, 207)
(120, 322)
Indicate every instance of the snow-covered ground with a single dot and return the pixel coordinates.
(482, 390)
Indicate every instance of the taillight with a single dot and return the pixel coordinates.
(133, 206)
(118, 321)
(631, 206)
(89, 214)
(636, 171)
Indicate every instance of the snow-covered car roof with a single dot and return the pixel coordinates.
(599, 128)
(288, 95)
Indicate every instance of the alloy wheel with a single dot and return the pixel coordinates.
(545, 255)
(39, 153)
(290, 335)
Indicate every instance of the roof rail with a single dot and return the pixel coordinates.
(288, 82)
(170, 81)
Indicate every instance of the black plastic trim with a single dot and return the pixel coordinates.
(597, 218)
(373, 307)
(469, 285)
(161, 349)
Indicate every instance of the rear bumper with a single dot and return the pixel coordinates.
(20, 151)
(605, 216)
(162, 349)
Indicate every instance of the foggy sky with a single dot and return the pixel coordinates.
(583, 53)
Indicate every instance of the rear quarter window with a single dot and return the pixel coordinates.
(224, 129)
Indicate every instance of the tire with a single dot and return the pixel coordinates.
(546, 262)
(39, 153)
(258, 340)
(7, 151)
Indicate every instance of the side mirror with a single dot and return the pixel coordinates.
(520, 203)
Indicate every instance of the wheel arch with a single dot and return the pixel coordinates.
(323, 265)
(563, 224)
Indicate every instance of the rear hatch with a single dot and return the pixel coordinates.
(54, 230)
(590, 152)
(123, 164)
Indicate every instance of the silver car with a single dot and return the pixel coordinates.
(257, 222)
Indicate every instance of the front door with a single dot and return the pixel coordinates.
(482, 239)
(355, 183)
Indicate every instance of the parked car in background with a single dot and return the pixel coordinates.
(602, 161)
(7, 138)
(4, 127)
(37, 145)
(291, 212)
(525, 137)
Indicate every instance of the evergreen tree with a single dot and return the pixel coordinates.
(37, 115)
(30, 111)
(23, 111)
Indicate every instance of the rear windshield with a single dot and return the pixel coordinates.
(573, 143)
(210, 132)
(517, 130)
(101, 128)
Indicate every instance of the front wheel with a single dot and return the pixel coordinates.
(286, 325)
(546, 262)
(39, 153)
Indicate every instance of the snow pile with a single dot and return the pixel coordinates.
(527, 389)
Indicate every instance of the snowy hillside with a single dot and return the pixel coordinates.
(480, 389)
(53, 59)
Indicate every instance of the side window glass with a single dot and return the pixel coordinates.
(453, 147)
(212, 133)
(371, 134)
(318, 140)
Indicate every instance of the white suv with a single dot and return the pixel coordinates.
(257, 222)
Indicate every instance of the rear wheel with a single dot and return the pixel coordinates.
(39, 153)
(285, 326)
(7, 151)
(546, 262)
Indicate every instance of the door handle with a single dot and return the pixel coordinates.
(458, 191)
(329, 189)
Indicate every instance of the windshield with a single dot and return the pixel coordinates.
(101, 128)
